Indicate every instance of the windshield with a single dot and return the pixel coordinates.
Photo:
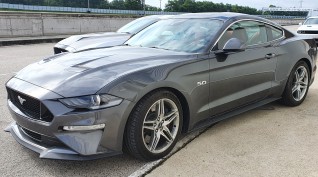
(311, 21)
(137, 25)
(182, 35)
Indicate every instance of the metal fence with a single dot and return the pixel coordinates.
(82, 10)
(110, 11)
(281, 17)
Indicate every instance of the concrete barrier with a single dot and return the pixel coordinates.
(14, 24)
(288, 21)
(22, 24)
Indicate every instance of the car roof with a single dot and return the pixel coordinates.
(222, 15)
(158, 16)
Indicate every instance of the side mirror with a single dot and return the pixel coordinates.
(233, 45)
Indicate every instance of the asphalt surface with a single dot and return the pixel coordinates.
(31, 40)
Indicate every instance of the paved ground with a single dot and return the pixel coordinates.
(31, 40)
(292, 28)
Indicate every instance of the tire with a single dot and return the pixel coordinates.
(297, 86)
(146, 134)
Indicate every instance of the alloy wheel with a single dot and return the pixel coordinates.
(160, 125)
(300, 83)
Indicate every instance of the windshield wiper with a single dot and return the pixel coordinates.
(132, 45)
(125, 32)
(156, 47)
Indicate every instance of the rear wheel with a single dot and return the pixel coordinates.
(297, 85)
(154, 126)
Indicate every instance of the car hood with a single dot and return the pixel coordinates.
(99, 42)
(309, 27)
(78, 41)
(86, 72)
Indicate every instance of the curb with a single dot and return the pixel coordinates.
(29, 41)
(184, 141)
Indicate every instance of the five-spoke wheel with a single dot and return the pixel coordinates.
(154, 125)
(297, 85)
(161, 125)
(300, 83)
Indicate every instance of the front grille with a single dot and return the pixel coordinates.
(32, 135)
(30, 106)
(59, 50)
(308, 32)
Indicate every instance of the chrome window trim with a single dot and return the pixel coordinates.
(275, 26)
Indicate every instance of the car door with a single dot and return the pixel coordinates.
(241, 78)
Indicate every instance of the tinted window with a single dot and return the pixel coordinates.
(248, 32)
(274, 33)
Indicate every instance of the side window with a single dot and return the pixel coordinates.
(256, 33)
(248, 32)
(274, 33)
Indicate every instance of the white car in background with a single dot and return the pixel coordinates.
(106, 39)
(309, 27)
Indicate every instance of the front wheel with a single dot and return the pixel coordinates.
(297, 85)
(154, 126)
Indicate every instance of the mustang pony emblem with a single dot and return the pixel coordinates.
(21, 100)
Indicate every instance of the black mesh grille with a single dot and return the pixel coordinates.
(32, 135)
(30, 106)
(308, 32)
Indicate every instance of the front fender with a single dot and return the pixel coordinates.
(182, 77)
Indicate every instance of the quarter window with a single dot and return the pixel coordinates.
(274, 33)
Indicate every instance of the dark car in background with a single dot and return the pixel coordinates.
(175, 76)
(107, 39)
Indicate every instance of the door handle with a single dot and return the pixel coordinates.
(270, 55)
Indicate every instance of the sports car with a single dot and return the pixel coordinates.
(178, 75)
(309, 28)
(106, 39)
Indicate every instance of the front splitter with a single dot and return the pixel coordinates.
(47, 152)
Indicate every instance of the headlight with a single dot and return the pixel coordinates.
(92, 101)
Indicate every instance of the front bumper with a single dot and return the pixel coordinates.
(308, 35)
(51, 141)
(45, 151)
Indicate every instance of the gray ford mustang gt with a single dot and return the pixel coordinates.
(106, 39)
(177, 75)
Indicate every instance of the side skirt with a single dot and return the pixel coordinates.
(214, 119)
